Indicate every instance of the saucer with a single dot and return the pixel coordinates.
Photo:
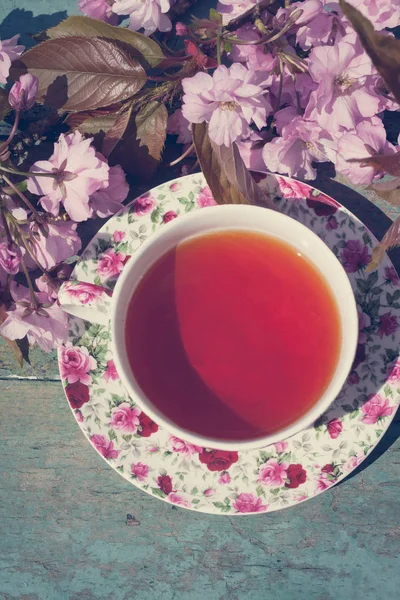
(255, 481)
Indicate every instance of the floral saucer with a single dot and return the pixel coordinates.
(255, 481)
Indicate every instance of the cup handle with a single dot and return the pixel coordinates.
(85, 301)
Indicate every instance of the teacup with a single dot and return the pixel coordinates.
(98, 305)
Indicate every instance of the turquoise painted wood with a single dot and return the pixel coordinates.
(64, 532)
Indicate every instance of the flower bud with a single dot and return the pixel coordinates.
(23, 93)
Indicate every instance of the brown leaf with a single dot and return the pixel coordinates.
(383, 50)
(389, 240)
(81, 73)
(115, 133)
(140, 149)
(389, 163)
(388, 190)
(86, 27)
(12, 344)
(4, 105)
(225, 172)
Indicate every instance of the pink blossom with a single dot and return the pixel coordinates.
(324, 482)
(302, 144)
(376, 408)
(281, 447)
(233, 8)
(118, 236)
(229, 101)
(284, 116)
(355, 256)
(125, 418)
(224, 478)
(79, 416)
(147, 14)
(140, 471)
(182, 447)
(75, 363)
(10, 258)
(178, 125)
(169, 216)
(47, 326)
(178, 499)
(324, 28)
(104, 447)
(353, 462)
(175, 187)
(334, 428)
(369, 138)
(364, 321)
(209, 492)
(79, 172)
(110, 263)
(381, 13)
(108, 200)
(342, 99)
(251, 150)
(255, 56)
(394, 372)
(9, 51)
(273, 473)
(392, 276)
(248, 503)
(144, 204)
(181, 29)
(289, 188)
(205, 198)
(387, 325)
(23, 93)
(98, 9)
(61, 242)
(110, 374)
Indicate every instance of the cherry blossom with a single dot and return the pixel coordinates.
(147, 14)
(23, 93)
(98, 9)
(9, 51)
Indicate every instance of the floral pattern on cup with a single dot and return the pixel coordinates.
(257, 481)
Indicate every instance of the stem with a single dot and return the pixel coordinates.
(219, 47)
(6, 227)
(13, 130)
(25, 173)
(23, 198)
(279, 97)
(255, 11)
(184, 155)
(33, 257)
(30, 284)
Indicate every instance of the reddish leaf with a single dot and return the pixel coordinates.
(389, 163)
(383, 50)
(92, 122)
(116, 131)
(139, 151)
(389, 240)
(226, 174)
(89, 28)
(81, 73)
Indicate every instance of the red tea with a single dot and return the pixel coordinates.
(233, 335)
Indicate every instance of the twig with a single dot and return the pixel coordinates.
(26, 173)
(30, 285)
(184, 155)
(23, 198)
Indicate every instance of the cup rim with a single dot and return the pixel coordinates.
(337, 380)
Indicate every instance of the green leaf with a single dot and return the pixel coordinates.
(183, 200)
(79, 74)
(215, 16)
(127, 438)
(222, 507)
(195, 500)
(158, 492)
(260, 491)
(145, 47)
(112, 435)
(194, 491)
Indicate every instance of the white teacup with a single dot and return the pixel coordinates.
(95, 304)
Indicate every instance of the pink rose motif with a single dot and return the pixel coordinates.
(169, 216)
(391, 276)
(247, 503)
(144, 204)
(209, 492)
(300, 498)
(118, 236)
(335, 427)
(79, 416)
(125, 418)
(182, 447)
(323, 206)
(324, 482)
(85, 293)
(353, 462)
(289, 188)
(332, 223)
(177, 499)
(175, 187)
(110, 263)
(110, 374)
(75, 363)
(224, 478)
(280, 447)
(376, 408)
(105, 447)
(394, 372)
(273, 473)
(387, 325)
(355, 256)
(140, 471)
(205, 198)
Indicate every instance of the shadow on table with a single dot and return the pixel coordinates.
(23, 22)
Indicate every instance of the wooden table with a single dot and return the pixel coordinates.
(64, 531)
